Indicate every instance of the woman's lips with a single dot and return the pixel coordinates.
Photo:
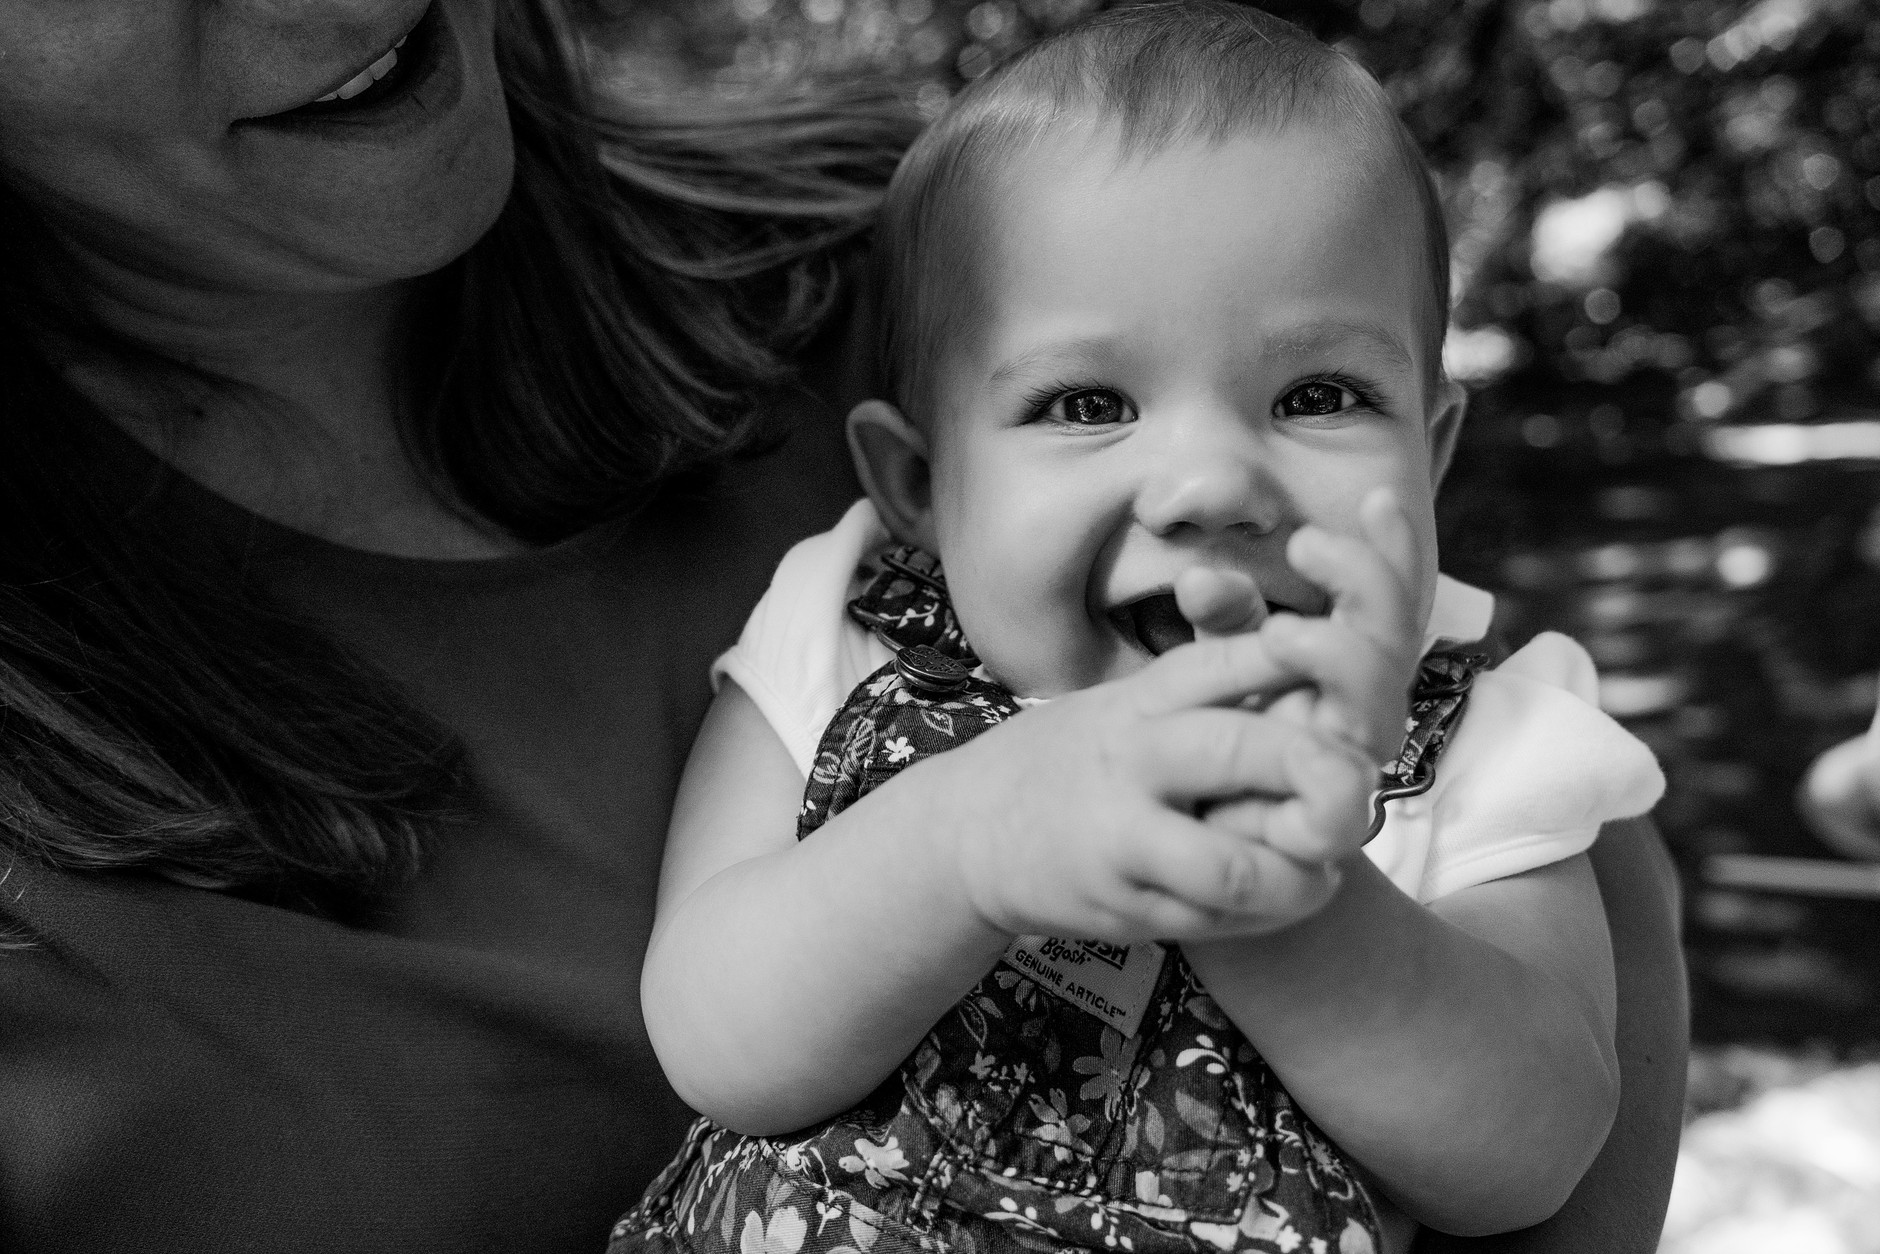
(366, 77)
(419, 61)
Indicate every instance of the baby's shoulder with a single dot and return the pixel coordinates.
(800, 654)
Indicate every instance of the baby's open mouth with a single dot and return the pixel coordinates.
(1153, 623)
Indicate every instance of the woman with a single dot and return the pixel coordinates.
(360, 557)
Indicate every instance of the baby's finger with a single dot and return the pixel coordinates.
(1325, 819)
(1366, 591)
(1215, 671)
(1364, 692)
(1205, 754)
(1245, 817)
(1296, 892)
(1151, 914)
(1328, 817)
(1218, 601)
(1295, 706)
(1215, 871)
(1292, 827)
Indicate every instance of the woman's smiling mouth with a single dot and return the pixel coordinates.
(372, 92)
(366, 77)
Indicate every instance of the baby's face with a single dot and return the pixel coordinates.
(1178, 361)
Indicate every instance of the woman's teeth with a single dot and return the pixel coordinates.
(366, 77)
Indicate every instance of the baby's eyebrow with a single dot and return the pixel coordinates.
(1081, 349)
(1311, 337)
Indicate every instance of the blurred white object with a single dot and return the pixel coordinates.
(1744, 563)
(1771, 24)
(1795, 1171)
(1840, 796)
(1573, 239)
(1634, 696)
(1788, 444)
(1478, 355)
(1808, 877)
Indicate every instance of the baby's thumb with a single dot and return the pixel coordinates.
(1219, 602)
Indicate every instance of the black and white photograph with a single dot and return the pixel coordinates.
(939, 627)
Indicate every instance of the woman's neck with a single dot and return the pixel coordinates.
(306, 432)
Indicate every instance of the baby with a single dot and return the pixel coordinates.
(1018, 893)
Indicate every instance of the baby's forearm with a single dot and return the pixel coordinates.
(787, 987)
(1474, 1085)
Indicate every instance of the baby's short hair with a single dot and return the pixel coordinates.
(1161, 72)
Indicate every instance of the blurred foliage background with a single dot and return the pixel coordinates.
(1666, 217)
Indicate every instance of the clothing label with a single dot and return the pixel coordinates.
(1112, 982)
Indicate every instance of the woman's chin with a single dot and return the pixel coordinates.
(394, 190)
(440, 221)
(412, 230)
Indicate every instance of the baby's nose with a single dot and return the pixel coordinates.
(1207, 484)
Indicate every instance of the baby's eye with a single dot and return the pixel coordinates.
(1092, 407)
(1317, 399)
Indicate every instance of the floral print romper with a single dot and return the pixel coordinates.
(1042, 1113)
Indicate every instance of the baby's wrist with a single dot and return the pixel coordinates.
(950, 860)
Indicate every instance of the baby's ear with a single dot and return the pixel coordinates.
(1445, 427)
(891, 459)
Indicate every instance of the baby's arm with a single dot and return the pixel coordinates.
(1462, 1052)
(793, 936)
(786, 979)
(1619, 1205)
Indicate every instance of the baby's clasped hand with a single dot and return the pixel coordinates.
(1346, 675)
(1078, 818)
(1360, 659)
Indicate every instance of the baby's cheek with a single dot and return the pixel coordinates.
(1015, 646)
(1018, 558)
(1423, 590)
(1050, 654)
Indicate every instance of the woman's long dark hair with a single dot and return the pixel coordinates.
(648, 282)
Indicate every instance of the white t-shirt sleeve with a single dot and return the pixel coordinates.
(800, 655)
(1527, 779)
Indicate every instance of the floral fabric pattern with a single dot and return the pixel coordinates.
(1437, 700)
(1022, 1121)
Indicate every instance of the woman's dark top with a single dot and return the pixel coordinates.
(183, 1070)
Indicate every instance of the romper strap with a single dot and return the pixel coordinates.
(907, 605)
(1437, 699)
